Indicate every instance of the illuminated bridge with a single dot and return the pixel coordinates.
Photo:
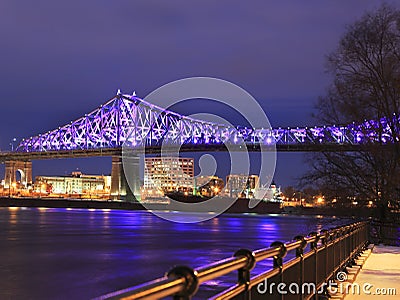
(130, 121)
(127, 120)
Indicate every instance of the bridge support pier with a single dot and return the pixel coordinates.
(14, 166)
(125, 182)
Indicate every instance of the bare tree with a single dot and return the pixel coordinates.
(366, 86)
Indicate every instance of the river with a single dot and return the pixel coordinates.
(81, 254)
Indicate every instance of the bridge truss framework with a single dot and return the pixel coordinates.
(130, 121)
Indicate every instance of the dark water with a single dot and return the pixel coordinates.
(81, 254)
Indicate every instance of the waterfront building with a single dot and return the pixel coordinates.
(209, 186)
(240, 185)
(168, 175)
(272, 193)
(76, 183)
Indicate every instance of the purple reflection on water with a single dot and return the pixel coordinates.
(81, 254)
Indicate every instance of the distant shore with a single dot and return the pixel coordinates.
(69, 203)
(104, 204)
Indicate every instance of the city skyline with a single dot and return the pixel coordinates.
(208, 150)
(59, 62)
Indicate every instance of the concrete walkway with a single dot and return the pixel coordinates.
(378, 276)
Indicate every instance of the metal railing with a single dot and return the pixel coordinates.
(318, 258)
(387, 233)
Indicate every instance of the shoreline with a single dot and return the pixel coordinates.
(120, 205)
(69, 203)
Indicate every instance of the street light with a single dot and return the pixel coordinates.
(299, 199)
(12, 143)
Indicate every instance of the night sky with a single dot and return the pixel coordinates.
(62, 59)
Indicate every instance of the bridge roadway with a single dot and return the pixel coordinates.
(106, 152)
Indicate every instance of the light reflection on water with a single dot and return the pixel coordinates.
(80, 254)
(13, 215)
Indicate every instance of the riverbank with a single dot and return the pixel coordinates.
(356, 212)
(238, 207)
(68, 203)
(104, 204)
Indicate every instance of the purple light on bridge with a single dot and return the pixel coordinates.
(109, 127)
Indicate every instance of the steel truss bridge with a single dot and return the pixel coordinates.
(130, 121)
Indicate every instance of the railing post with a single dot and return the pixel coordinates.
(349, 247)
(357, 234)
(349, 241)
(244, 273)
(353, 238)
(344, 232)
(341, 233)
(300, 254)
(324, 241)
(325, 236)
(314, 246)
(278, 259)
(192, 282)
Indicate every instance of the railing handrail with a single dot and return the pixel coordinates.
(184, 280)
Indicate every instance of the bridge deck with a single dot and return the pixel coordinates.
(4, 156)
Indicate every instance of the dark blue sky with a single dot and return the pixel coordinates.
(61, 59)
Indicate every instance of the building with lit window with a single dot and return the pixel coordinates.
(209, 186)
(168, 174)
(76, 183)
(240, 185)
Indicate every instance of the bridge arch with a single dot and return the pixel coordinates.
(20, 176)
(18, 171)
